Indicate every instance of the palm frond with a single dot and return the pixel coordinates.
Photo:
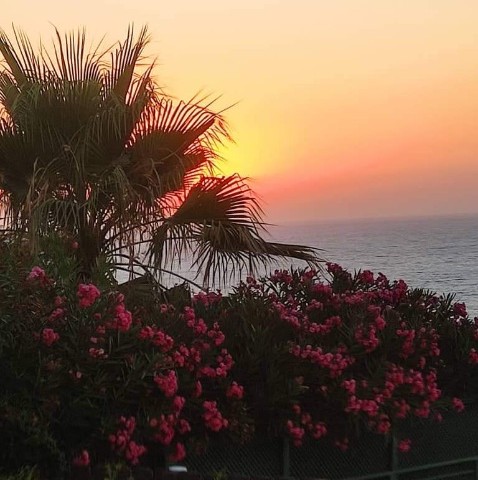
(220, 199)
(170, 146)
(16, 68)
(123, 63)
(226, 250)
(219, 225)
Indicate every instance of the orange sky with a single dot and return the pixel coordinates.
(347, 108)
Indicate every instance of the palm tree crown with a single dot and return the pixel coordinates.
(91, 147)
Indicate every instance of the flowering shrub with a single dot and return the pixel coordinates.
(89, 376)
(325, 359)
(104, 382)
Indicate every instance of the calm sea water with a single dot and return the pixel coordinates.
(437, 253)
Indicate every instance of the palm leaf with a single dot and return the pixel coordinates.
(219, 224)
(15, 67)
(170, 145)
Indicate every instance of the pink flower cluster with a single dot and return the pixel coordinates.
(168, 383)
(235, 391)
(87, 294)
(207, 298)
(122, 318)
(57, 314)
(334, 362)
(82, 460)
(49, 337)
(166, 428)
(157, 337)
(304, 423)
(213, 417)
(405, 445)
(295, 432)
(121, 442)
(39, 277)
(224, 365)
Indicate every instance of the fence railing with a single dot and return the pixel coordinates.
(461, 468)
(438, 451)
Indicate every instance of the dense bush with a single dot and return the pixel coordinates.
(327, 358)
(83, 380)
(88, 376)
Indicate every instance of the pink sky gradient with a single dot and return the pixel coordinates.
(347, 108)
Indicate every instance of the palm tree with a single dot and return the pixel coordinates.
(92, 148)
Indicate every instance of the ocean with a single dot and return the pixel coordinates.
(436, 253)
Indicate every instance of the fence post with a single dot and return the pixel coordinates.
(285, 457)
(393, 457)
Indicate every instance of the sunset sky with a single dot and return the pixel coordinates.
(346, 108)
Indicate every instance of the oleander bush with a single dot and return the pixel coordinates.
(328, 358)
(86, 380)
(89, 377)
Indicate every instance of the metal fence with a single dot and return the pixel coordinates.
(448, 449)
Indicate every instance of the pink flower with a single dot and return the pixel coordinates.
(459, 309)
(164, 427)
(165, 432)
(197, 389)
(49, 336)
(121, 441)
(97, 353)
(87, 294)
(319, 430)
(76, 375)
(183, 426)
(168, 384)
(59, 301)
(473, 357)
(213, 417)
(349, 386)
(215, 423)
(380, 323)
(82, 460)
(37, 274)
(458, 404)
(405, 445)
(403, 408)
(178, 404)
(56, 314)
(366, 276)
(179, 453)
(216, 335)
(163, 341)
(384, 425)
(146, 333)
(343, 444)
(123, 318)
(235, 391)
(133, 452)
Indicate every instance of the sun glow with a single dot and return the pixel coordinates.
(328, 93)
